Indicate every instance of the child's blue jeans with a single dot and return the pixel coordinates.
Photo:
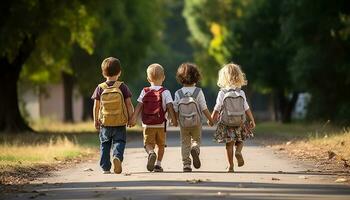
(111, 137)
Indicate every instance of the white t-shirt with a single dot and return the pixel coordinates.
(189, 91)
(166, 98)
(220, 99)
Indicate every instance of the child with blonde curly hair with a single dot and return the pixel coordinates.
(230, 112)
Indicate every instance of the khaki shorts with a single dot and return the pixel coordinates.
(154, 136)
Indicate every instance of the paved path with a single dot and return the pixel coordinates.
(252, 181)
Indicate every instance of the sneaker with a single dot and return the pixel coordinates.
(187, 169)
(117, 165)
(158, 168)
(239, 158)
(106, 172)
(151, 161)
(195, 157)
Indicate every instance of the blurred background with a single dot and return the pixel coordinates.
(295, 53)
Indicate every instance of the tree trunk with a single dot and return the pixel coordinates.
(276, 106)
(10, 117)
(87, 108)
(287, 112)
(11, 120)
(286, 105)
(68, 85)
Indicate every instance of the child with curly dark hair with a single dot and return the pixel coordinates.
(189, 106)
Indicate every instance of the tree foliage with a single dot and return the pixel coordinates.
(36, 33)
(43, 39)
(320, 34)
(126, 30)
(285, 47)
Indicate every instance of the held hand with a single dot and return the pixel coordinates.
(97, 125)
(132, 122)
(175, 123)
(252, 124)
(210, 123)
(215, 117)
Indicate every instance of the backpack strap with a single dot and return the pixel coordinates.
(162, 89)
(146, 89)
(231, 90)
(196, 92)
(103, 85)
(181, 93)
(117, 84)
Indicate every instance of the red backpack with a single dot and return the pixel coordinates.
(153, 112)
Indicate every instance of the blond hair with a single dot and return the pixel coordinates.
(155, 72)
(231, 75)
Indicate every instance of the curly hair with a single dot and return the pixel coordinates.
(188, 73)
(231, 75)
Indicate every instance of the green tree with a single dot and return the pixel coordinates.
(320, 33)
(126, 30)
(248, 33)
(266, 56)
(36, 34)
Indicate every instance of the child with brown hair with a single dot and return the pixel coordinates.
(154, 103)
(230, 110)
(111, 112)
(189, 106)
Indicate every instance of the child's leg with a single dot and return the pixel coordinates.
(160, 141)
(229, 152)
(195, 146)
(186, 147)
(149, 135)
(238, 153)
(196, 139)
(119, 140)
(105, 147)
(149, 139)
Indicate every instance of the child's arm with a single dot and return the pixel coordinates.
(207, 115)
(171, 111)
(96, 111)
(132, 121)
(251, 118)
(129, 109)
(215, 116)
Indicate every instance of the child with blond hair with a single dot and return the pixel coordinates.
(230, 112)
(154, 103)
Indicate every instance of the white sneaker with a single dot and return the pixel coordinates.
(106, 172)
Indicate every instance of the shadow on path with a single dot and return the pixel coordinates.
(205, 189)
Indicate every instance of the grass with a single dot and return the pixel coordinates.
(19, 153)
(47, 125)
(38, 148)
(280, 131)
(52, 142)
(29, 155)
(337, 142)
(327, 146)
